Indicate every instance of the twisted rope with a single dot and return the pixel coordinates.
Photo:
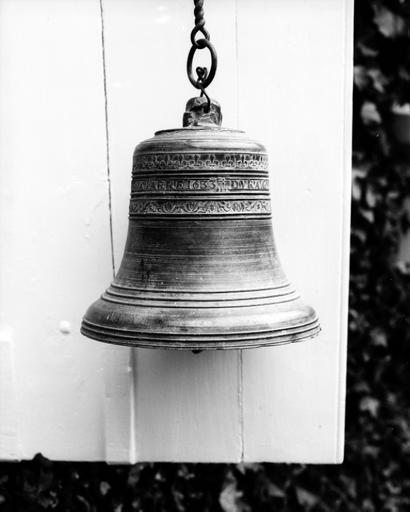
(204, 78)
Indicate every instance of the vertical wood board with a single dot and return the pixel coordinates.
(293, 396)
(54, 221)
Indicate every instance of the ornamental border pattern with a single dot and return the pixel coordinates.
(205, 161)
(216, 185)
(199, 207)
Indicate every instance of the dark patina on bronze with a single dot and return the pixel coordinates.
(200, 268)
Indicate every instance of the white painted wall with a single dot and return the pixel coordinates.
(285, 74)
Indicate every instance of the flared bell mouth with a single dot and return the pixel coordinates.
(213, 327)
(200, 342)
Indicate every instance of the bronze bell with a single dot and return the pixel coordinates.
(200, 269)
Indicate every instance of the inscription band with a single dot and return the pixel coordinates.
(216, 185)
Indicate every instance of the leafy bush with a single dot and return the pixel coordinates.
(376, 474)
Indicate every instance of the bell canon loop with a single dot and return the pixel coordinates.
(200, 268)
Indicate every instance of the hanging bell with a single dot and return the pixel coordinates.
(200, 269)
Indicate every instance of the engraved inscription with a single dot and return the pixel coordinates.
(217, 185)
(195, 207)
(206, 161)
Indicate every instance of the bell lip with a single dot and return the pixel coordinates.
(286, 339)
(202, 341)
(265, 325)
(210, 128)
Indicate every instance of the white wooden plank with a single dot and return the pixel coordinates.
(297, 69)
(186, 406)
(9, 431)
(54, 209)
(79, 400)
(119, 404)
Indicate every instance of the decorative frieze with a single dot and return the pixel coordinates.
(142, 207)
(204, 161)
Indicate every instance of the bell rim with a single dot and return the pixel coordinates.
(202, 341)
(226, 344)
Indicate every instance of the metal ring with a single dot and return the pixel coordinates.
(195, 31)
(202, 43)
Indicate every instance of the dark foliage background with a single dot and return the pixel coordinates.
(375, 476)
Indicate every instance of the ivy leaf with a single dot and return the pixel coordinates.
(350, 485)
(371, 197)
(367, 506)
(371, 405)
(378, 337)
(104, 487)
(305, 498)
(361, 387)
(274, 491)
(356, 190)
(368, 215)
(388, 23)
(360, 234)
(361, 78)
(371, 451)
(230, 497)
(403, 267)
(370, 114)
(366, 50)
(379, 80)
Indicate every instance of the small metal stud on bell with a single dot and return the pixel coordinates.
(200, 268)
